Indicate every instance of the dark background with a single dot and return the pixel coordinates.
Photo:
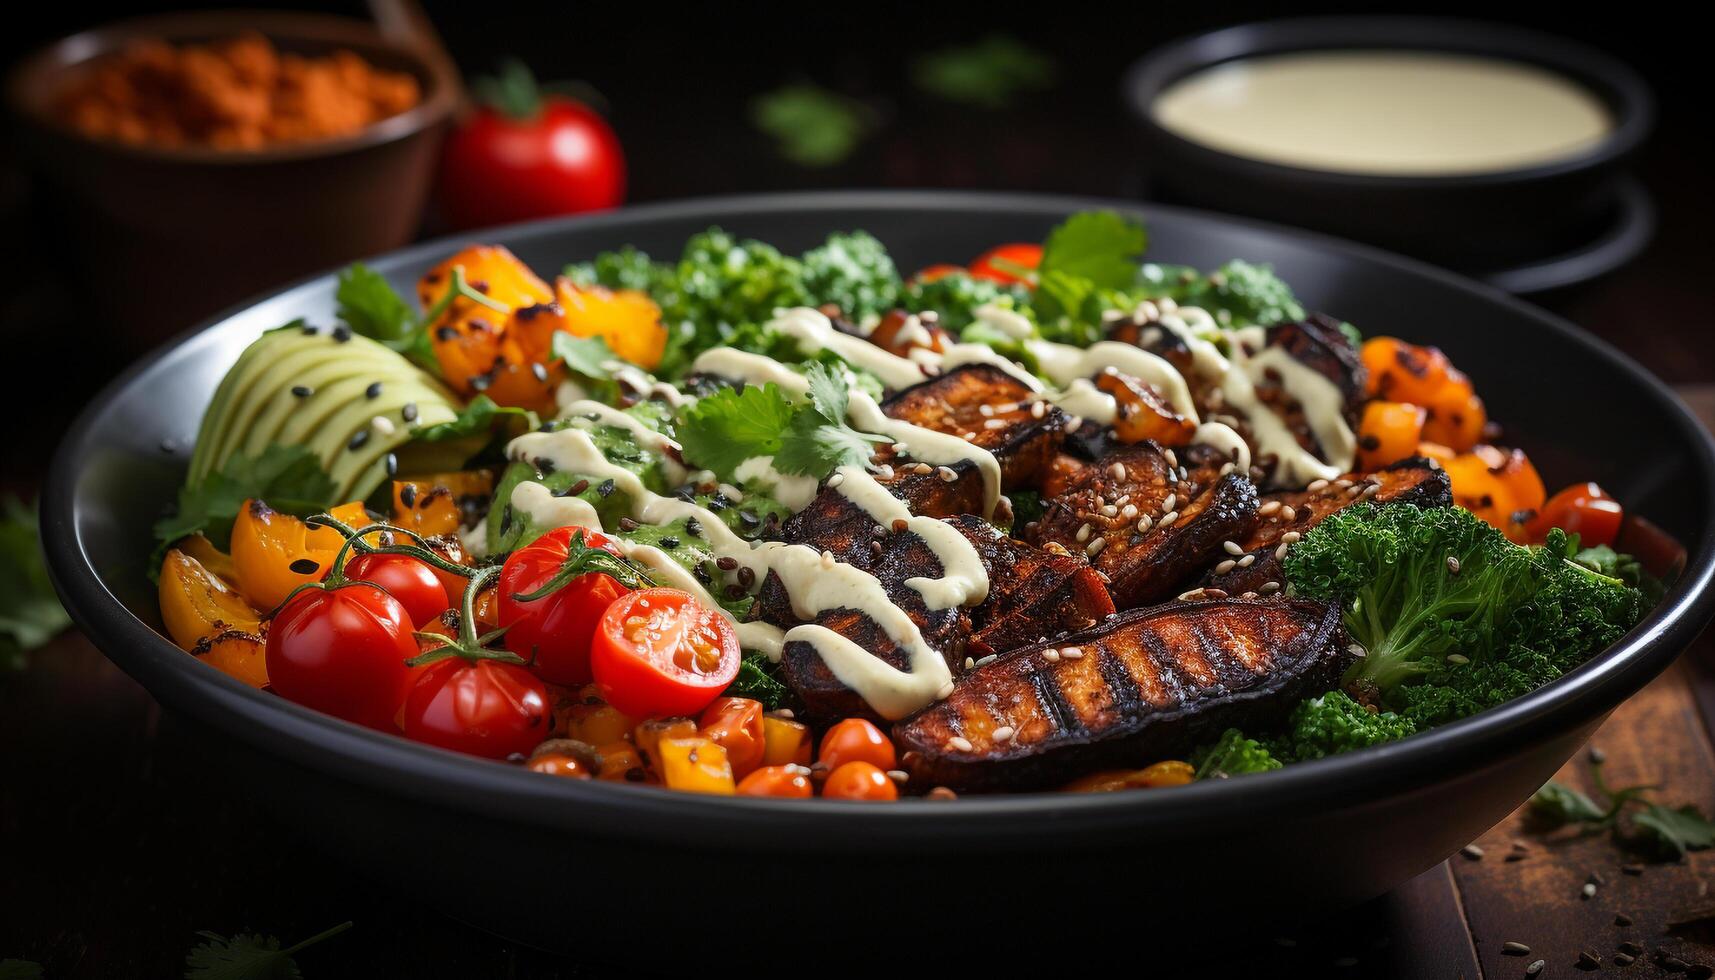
(99, 886)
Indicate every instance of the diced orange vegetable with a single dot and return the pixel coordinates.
(785, 742)
(1456, 417)
(1170, 773)
(601, 724)
(196, 605)
(621, 762)
(1498, 485)
(1436, 451)
(1143, 413)
(1403, 372)
(237, 654)
(1389, 432)
(430, 505)
(489, 269)
(627, 319)
(695, 765)
(649, 734)
(274, 553)
(736, 723)
(212, 558)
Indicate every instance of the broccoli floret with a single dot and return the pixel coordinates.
(854, 272)
(1232, 755)
(1452, 616)
(1334, 723)
(1626, 568)
(955, 295)
(1239, 293)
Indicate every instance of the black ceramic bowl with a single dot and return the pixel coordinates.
(1472, 222)
(513, 851)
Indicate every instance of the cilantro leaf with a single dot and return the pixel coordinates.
(1100, 246)
(811, 125)
(1675, 830)
(477, 418)
(1559, 804)
(828, 394)
(583, 355)
(723, 430)
(289, 478)
(30, 612)
(813, 446)
(367, 303)
(987, 73)
(248, 956)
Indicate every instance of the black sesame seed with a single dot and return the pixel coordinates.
(392, 464)
(669, 542)
(341, 334)
(718, 503)
(693, 527)
(605, 490)
(506, 519)
(302, 391)
(702, 573)
(748, 518)
(310, 329)
(358, 439)
(409, 412)
(446, 333)
(305, 566)
(408, 494)
(373, 391)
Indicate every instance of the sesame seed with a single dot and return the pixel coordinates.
(373, 391)
(1510, 948)
(1073, 422)
(1128, 512)
(1191, 596)
(986, 410)
(1287, 514)
(898, 775)
(357, 440)
(1535, 968)
(392, 464)
(1144, 523)
(1171, 503)
(1083, 533)
(1095, 547)
(1357, 650)
(409, 412)
(1269, 587)
(1052, 656)
(1038, 410)
(1232, 548)
(1247, 561)
(1452, 565)
(1316, 485)
(1225, 567)
(1171, 457)
(1072, 653)
(1168, 518)
(1291, 537)
(382, 425)
(302, 391)
(1458, 658)
(1268, 508)
(959, 743)
(1588, 891)
(1472, 852)
(1588, 960)
(1003, 734)
(995, 424)
(1110, 511)
(836, 480)
(947, 474)
(341, 334)
(1280, 553)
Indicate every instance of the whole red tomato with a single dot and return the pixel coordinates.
(482, 707)
(521, 154)
(343, 651)
(416, 585)
(553, 633)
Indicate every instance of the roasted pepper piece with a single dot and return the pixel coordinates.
(785, 742)
(736, 723)
(627, 319)
(274, 553)
(434, 505)
(1170, 773)
(1389, 432)
(1143, 413)
(196, 605)
(695, 765)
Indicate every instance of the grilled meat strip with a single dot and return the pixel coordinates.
(1032, 594)
(1410, 481)
(992, 410)
(1146, 685)
(1142, 525)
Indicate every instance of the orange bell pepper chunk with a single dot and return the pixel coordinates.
(274, 553)
(1388, 432)
(695, 765)
(627, 319)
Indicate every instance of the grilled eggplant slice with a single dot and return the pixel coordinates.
(992, 410)
(1411, 481)
(1142, 524)
(1033, 594)
(1146, 685)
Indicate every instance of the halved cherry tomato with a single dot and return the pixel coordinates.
(789, 782)
(661, 652)
(857, 740)
(553, 633)
(482, 707)
(343, 651)
(413, 583)
(736, 723)
(1584, 509)
(1001, 263)
(859, 781)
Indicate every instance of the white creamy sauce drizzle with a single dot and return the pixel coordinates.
(814, 581)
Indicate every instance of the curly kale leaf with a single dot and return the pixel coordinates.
(854, 272)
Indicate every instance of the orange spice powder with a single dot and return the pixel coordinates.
(236, 94)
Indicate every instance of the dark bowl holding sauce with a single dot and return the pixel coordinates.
(168, 235)
(1577, 209)
(599, 870)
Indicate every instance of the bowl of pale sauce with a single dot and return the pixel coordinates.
(1473, 145)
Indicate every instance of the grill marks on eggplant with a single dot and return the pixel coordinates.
(1410, 481)
(1146, 685)
(1116, 512)
(1032, 594)
(991, 410)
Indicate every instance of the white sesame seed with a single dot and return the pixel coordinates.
(1191, 595)
(1003, 734)
(1171, 457)
(1225, 567)
(1316, 485)
(1128, 512)
(1288, 514)
(1072, 653)
(1095, 547)
(1052, 656)
(1232, 548)
(1083, 534)
(1589, 889)
(1280, 553)
(1268, 508)
(959, 743)
(970, 662)
(898, 775)
(382, 425)
(1168, 518)
(1247, 561)
(1073, 421)
(968, 436)
(986, 410)
(1357, 650)
(991, 658)
(1372, 490)
(1117, 471)
(1268, 587)
(1144, 523)
(947, 474)
(1458, 658)
(1110, 511)
(922, 469)
(1291, 537)
(1452, 565)
(836, 480)
(1170, 503)
(1038, 410)
(995, 424)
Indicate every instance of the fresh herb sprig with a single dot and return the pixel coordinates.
(1628, 812)
(809, 438)
(249, 956)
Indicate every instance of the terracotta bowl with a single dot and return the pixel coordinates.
(163, 236)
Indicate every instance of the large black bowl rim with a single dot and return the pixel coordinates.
(1622, 88)
(432, 776)
(1627, 234)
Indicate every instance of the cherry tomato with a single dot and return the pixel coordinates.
(539, 155)
(784, 781)
(661, 652)
(1584, 509)
(1018, 255)
(413, 583)
(857, 740)
(343, 651)
(859, 781)
(482, 707)
(736, 723)
(553, 633)
(558, 764)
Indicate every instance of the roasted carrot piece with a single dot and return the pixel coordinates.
(1388, 432)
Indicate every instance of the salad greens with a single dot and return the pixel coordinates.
(721, 431)
(289, 478)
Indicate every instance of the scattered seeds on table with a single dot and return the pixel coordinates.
(1510, 948)
(1535, 967)
(1472, 852)
(1588, 960)
(1622, 920)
